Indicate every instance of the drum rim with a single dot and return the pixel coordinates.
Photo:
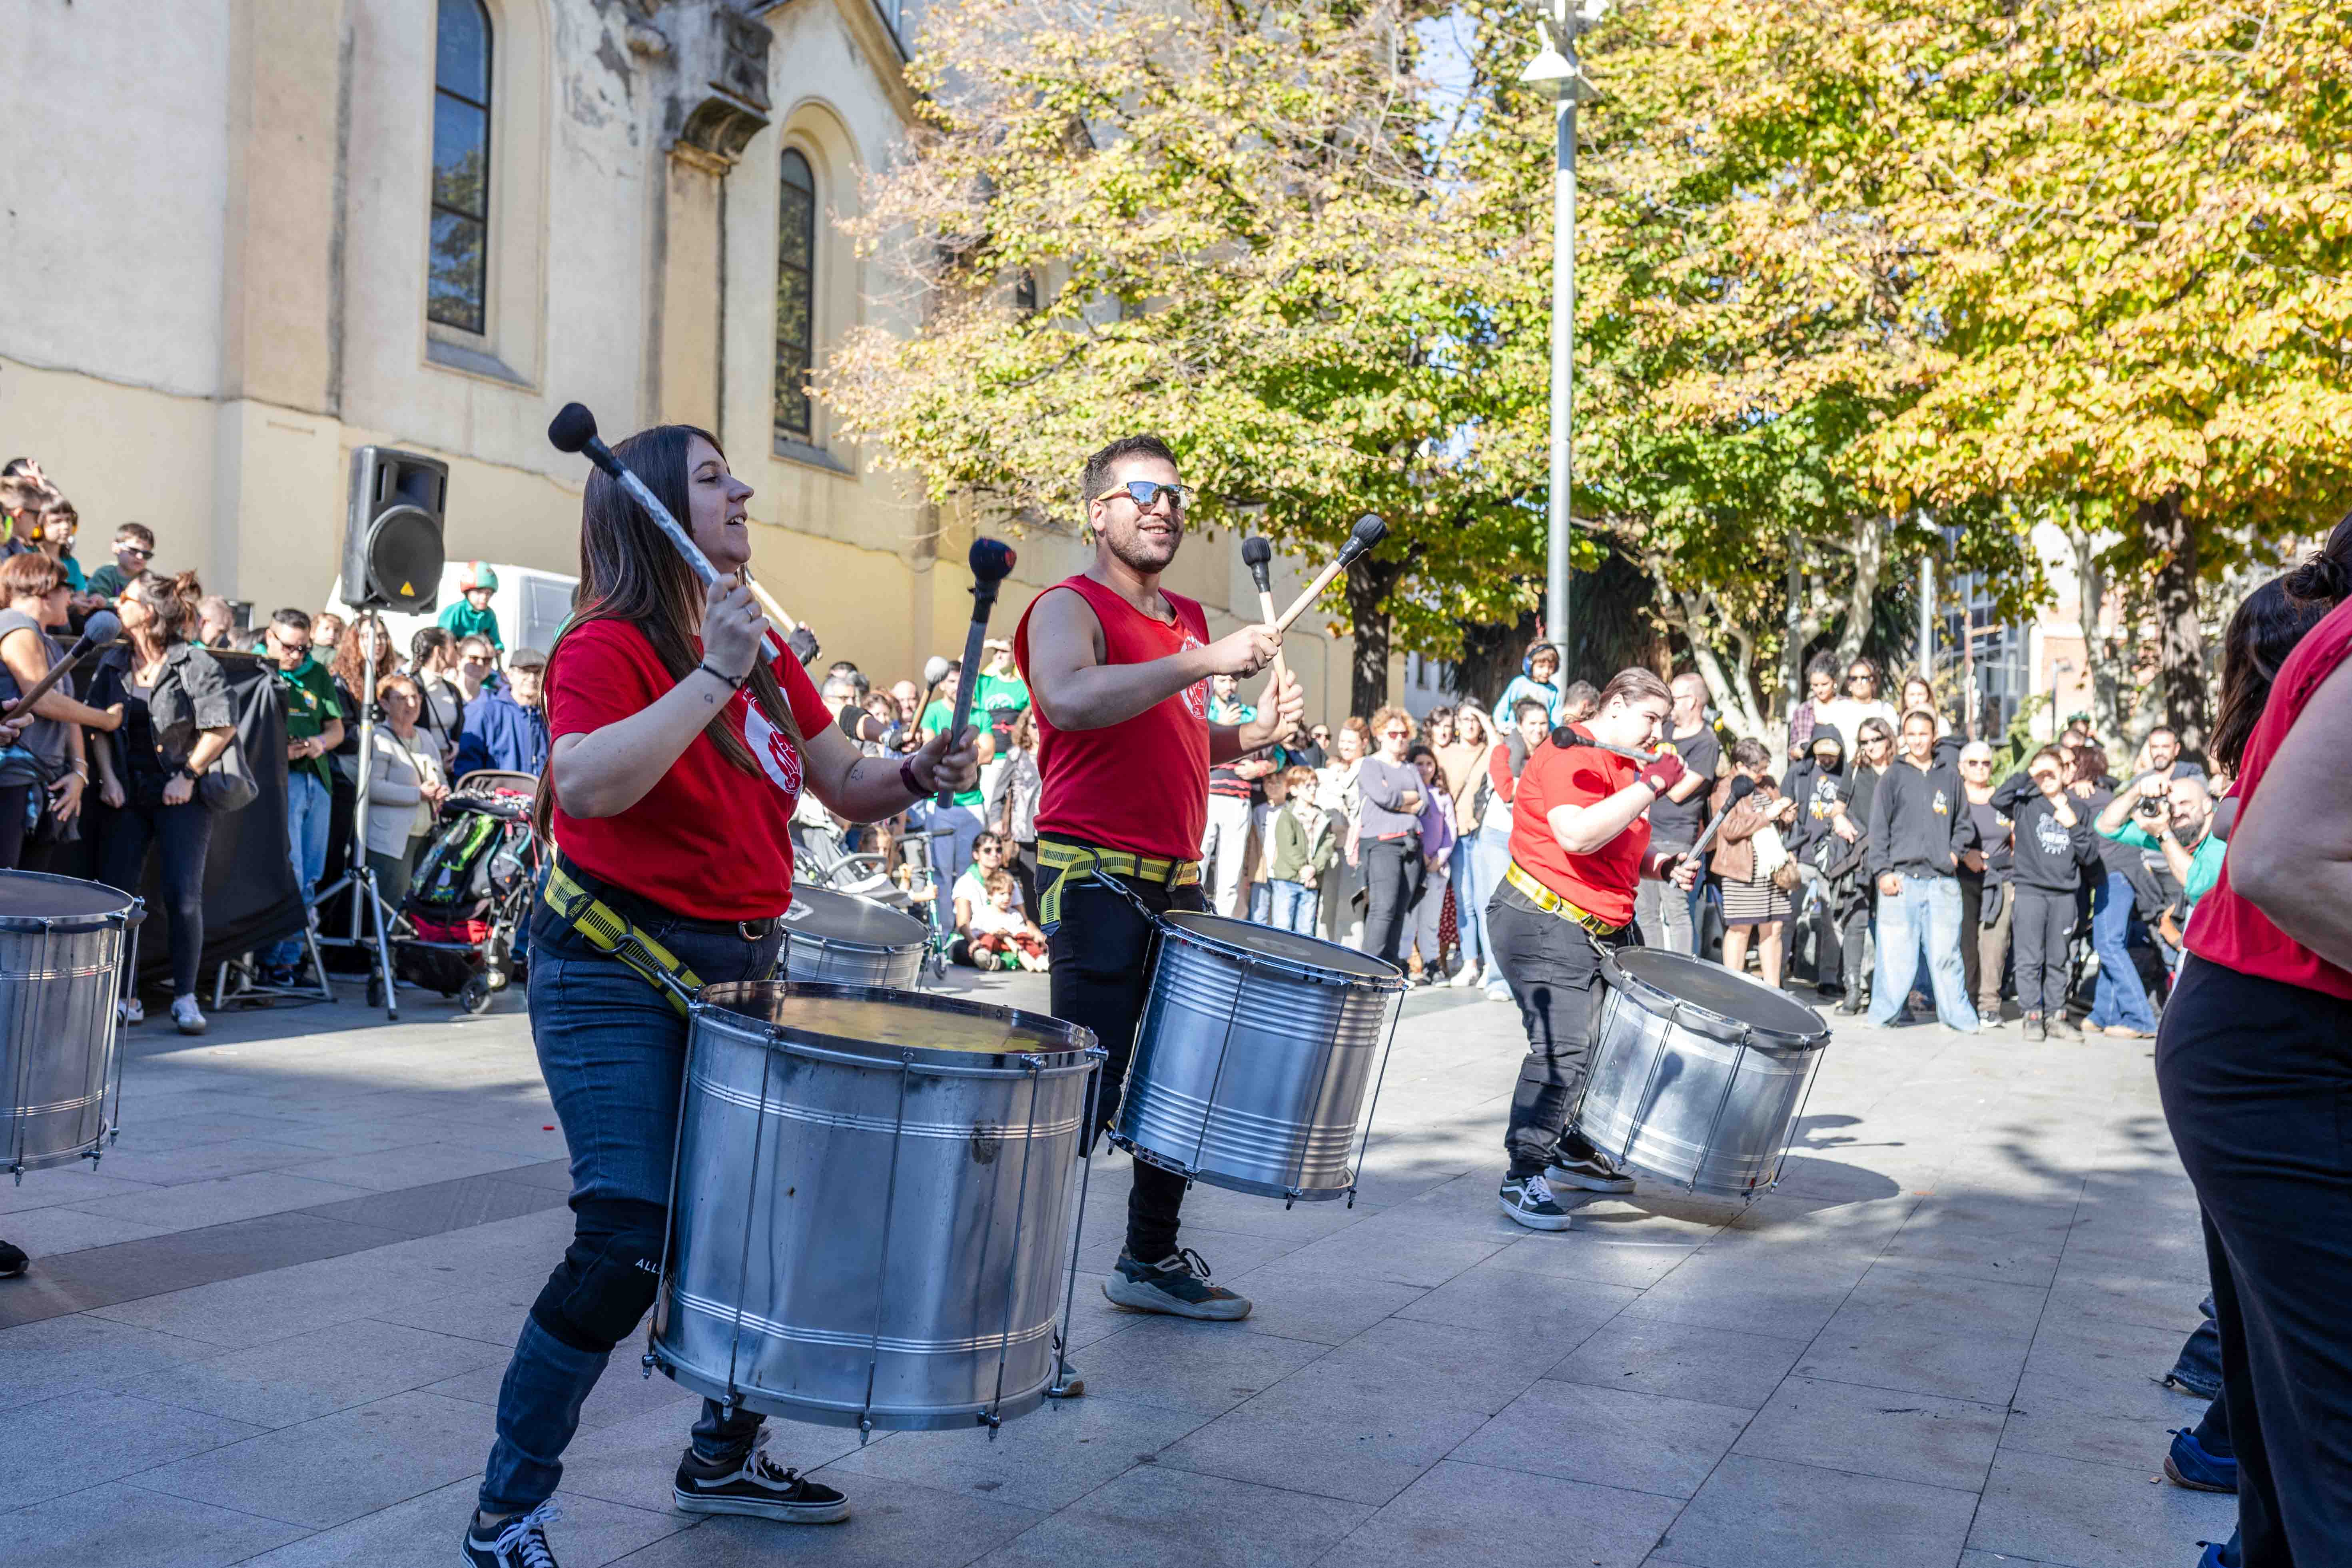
(75, 924)
(843, 944)
(1705, 1020)
(1082, 1051)
(1393, 982)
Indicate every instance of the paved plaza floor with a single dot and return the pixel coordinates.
(270, 1328)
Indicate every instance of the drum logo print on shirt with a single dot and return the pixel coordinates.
(777, 755)
(1196, 696)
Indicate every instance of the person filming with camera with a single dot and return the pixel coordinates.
(2174, 816)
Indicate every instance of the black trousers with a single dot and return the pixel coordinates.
(1102, 952)
(1394, 871)
(2040, 932)
(183, 834)
(1857, 912)
(2257, 1077)
(1554, 971)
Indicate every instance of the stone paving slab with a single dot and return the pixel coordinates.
(269, 1327)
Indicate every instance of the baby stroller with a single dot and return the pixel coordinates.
(472, 892)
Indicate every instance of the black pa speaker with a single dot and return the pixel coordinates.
(391, 537)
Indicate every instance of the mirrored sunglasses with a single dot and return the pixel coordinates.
(1144, 493)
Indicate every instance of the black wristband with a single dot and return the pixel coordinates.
(907, 778)
(734, 683)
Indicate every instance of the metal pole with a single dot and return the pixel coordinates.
(1926, 617)
(1563, 343)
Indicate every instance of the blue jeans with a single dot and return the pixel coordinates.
(950, 852)
(1469, 901)
(1261, 904)
(613, 1050)
(2120, 998)
(309, 805)
(1295, 907)
(1490, 856)
(1925, 915)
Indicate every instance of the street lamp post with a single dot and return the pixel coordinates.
(1556, 71)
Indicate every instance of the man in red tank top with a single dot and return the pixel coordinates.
(1119, 671)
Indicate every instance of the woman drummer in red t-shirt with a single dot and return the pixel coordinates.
(2253, 1060)
(681, 736)
(1580, 845)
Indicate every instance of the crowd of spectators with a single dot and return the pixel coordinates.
(138, 747)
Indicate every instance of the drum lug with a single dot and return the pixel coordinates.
(993, 1423)
(864, 1429)
(646, 1361)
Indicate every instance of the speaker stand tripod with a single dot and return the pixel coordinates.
(372, 923)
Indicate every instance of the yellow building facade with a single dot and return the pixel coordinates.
(245, 236)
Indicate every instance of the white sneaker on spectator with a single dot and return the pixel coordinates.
(188, 1015)
(132, 1010)
(1469, 974)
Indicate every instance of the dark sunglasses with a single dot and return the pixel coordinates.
(134, 549)
(1859, 675)
(1145, 492)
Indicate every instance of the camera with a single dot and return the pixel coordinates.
(2151, 806)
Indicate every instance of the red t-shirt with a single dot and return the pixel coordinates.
(709, 840)
(1603, 882)
(1141, 785)
(2227, 929)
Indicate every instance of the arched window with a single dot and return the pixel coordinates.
(795, 293)
(457, 287)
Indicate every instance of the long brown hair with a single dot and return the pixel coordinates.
(629, 571)
(172, 602)
(2263, 630)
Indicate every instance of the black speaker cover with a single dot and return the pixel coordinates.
(391, 543)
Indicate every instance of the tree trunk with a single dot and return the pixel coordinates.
(1862, 595)
(2177, 541)
(1368, 585)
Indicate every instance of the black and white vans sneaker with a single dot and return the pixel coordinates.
(518, 1542)
(756, 1487)
(1528, 1200)
(1590, 1169)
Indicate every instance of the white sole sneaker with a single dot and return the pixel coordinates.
(832, 1512)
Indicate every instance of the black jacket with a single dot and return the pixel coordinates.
(2050, 856)
(1918, 822)
(1817, 791)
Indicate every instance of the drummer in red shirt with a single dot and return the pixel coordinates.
(2253, 1060)
(683, 734)
(1118, 670)
(1579, 845)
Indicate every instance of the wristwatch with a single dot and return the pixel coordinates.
(907, 778)
(189, 773)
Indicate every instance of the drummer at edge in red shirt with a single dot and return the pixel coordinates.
(682, 733)
(1580, 845)
(1119, 670)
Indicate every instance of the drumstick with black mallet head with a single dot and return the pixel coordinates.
(990, 560)
(1369, 530)
(574, 429)
(103, 629)
(1258, 556)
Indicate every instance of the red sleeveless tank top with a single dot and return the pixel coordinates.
(2227, 929)
(1141, 785)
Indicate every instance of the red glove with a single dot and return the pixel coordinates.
(1664, 772)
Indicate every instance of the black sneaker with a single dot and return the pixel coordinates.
(1176, 1285)
(1527, 1199)
(519, 1542)
(13, 1262)
(755, 1486)
(1853, 1003)
(1593, 1171)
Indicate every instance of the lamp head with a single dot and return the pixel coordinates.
(991, 560)
(1258, 556)
(572, 428)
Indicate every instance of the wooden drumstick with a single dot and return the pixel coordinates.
(1369, 530)
(784, 623)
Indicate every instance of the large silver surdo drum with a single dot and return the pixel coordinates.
(840, 938)
(1255, 1055)
(1698, 1075)
(872, 1211)
(61, 945)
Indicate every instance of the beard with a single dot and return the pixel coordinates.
(1140, 551)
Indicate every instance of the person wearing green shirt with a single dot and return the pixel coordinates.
(470, 614)
(314, 728)
(2180, 812)
(1000, 692)
(954, 826)
(134, 547)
